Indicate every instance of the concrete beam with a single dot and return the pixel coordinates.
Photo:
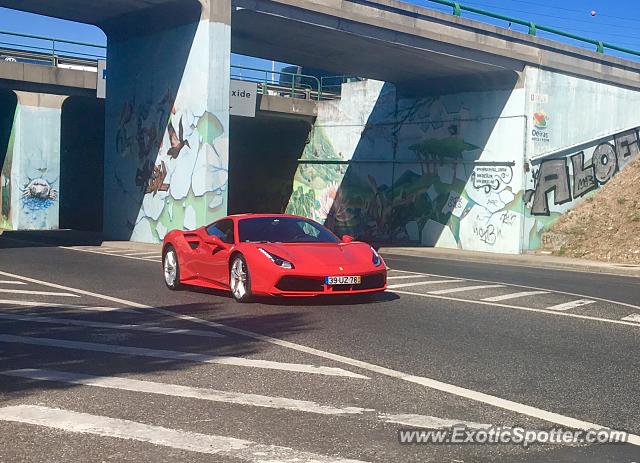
(46, 79)
(287, 106)
(399, 36)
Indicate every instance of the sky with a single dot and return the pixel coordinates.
(615, 21)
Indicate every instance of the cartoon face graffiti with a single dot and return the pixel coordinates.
(39, 194)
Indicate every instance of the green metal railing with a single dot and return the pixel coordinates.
(533, 28)
(287, 83)
(37, 47)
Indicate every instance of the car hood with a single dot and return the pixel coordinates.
(321, 255)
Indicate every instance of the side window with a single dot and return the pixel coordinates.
(309, 229)
(223, 229)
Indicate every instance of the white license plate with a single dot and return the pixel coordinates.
(342, 280)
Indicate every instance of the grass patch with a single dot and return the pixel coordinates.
(622, 200)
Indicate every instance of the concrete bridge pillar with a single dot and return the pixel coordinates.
(167, 119)
(31, 167)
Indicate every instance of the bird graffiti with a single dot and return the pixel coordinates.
(177, 140)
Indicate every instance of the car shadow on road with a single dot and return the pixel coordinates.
(312, 301)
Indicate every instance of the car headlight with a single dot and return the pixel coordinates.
(279, 261)
(375, 258)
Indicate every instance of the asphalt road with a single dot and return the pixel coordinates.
(100, 362)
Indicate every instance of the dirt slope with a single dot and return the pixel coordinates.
(606, 226)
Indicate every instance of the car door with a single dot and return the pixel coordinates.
(215, 264)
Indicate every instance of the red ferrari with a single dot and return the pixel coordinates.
(271, 255)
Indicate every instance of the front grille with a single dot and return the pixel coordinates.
(295, 283)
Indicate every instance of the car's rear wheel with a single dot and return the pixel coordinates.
(239, 279)
(171, 268)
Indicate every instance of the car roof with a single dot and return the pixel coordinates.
(250, 216)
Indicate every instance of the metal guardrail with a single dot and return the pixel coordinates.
(289, 84)
(60, 52)
(47, 49)
(458, 8)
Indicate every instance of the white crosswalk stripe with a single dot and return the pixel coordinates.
(422, 283)
(37, 293)
(12, 303)
(182, 356)
(403, 277)
(253, 400)
(71, 421)
(464, 288)
(175, 390)
(506, 297)
(570, 305)
(113, 252)
(147, 254)
(112, 326)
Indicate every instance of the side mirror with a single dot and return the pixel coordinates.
(214, 241)
(347, 238)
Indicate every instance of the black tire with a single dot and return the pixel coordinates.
(243, 292)
(171, 279)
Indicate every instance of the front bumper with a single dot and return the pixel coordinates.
(299, 285)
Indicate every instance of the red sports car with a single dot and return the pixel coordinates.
(271, 254)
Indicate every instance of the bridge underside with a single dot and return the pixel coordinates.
(268, 30)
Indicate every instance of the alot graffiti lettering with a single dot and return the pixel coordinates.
(553, 175)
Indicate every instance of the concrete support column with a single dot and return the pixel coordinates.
(167, 119)
(33, 160)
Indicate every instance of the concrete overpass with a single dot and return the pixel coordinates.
(467, 103)
(417, 43)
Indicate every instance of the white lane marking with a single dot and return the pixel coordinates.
(524, 309)
(458, 391)
(506, 297)
(404, 277)
(178, 355)
(104, 253)
(571, 305)
(12, 282)
(107, 251)
(184, 440)
(175, 390)
(36, 293)
(146, 254)
(421, 283)
(429, 422)
(601, 299)
(17, 303)
(78, 291)
(237, 398)
(111, 326)
(634, 317)
(464, 288)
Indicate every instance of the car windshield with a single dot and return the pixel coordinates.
(283, 230)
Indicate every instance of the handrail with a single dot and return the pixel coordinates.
(458, 8)
(294, 85)
(53, 50)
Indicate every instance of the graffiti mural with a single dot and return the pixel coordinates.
(170, 142)
(570, 178)
(418, 172)
(6, 186)
(449, 170)
(35, 163)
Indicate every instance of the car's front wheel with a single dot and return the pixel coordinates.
(239, 279)
(171, 268)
